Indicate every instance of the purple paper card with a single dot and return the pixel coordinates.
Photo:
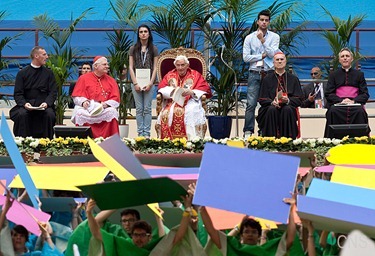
(246, 181)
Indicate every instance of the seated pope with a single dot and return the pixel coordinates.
(182, 114)
(96, 97)
(346, 95)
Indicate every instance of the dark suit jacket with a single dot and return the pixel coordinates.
(307, 89)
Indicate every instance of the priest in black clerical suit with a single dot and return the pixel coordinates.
(35, 92)
(347, 89)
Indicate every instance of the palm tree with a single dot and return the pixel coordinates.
(173, 22)
(341, 37)
(4, 43)
(63, 58)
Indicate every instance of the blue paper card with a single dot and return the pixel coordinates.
(337, 217)
(18, 162)
(246, 181)
(352, 195)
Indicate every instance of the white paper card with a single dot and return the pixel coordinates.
(177, 96)
(143, 77)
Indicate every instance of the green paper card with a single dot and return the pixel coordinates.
(115, 195)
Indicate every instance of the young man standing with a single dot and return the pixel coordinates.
(258, 49)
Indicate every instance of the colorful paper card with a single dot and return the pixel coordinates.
(116, 168)
(229, 176)
(57, 204)
(325, 168)
(115, 195)
(352, 154)
(236, 143)
(18, 161)
(7, 174)
(171, 160)
(354, 176)
(227, 220)
(340, 217)
(341, 193)
(62, 177)
(110, 162)
(21, 214)
(176, 173)
(124, 156)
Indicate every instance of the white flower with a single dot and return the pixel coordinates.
(327, 140)
(336, 141)
(297, 141)
(320, 141)
(215, 141)
(34, 144)
(189, 145)
(196, 139)
(207, 139)
(223, 141)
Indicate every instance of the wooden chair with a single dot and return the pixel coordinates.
(165, 64)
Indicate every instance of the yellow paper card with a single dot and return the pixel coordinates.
(354, 176)
(62, 177)
(352, 154)
(117, 169)
(236, 143)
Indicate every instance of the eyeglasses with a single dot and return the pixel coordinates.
(315, 73)
(141, 235)
(127, 220)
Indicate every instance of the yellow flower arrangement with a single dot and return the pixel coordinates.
(67, 146)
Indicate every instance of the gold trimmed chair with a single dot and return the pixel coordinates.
(165, 64)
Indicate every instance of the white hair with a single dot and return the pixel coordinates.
(181, 57)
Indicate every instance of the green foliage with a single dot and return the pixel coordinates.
(63, 58)
(341, 37)
(173, 22)
(6, 42)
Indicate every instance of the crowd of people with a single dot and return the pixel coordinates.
(87, 231)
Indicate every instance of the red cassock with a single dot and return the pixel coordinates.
(100, 89)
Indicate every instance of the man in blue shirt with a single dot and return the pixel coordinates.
(258, 49)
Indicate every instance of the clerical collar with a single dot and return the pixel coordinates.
(279, 74)
(34, 66)
(346, 69)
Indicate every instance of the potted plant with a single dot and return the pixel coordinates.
(341, 38)
(119, 61)
(63, 58)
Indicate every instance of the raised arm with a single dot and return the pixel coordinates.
(214, 233)
(76, 218)
(160, 224)
(44, 228)
(310, 239)
(102, 216)
(185, 220)
(291, 228)
(5, 209)
(93, 224)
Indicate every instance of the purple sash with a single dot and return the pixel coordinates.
(347, 91)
